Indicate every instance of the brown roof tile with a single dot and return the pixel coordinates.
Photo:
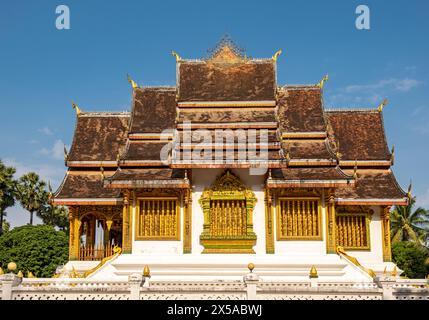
(373, 184)
(143, 150)
(154, 110)
(360, 134)
(85, 185)
(209, 81)
(98, 136)
(300, 109)
(308, 149)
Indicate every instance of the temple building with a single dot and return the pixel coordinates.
(227, 168)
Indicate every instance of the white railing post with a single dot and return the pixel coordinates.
(135, 281)
(386, 283)
(251, 280)
(9, 281)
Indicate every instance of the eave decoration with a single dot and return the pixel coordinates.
(228, 216)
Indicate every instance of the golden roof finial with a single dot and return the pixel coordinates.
(102, 173)
(385, 270)
(269, 174)
(30, 274)
(76, 108)
(392, 155)
(410, 187)
(251, 266)
(382, 105)
(313, 272)
(132, 82)
(276, 55)
(174, 54)
(146, 271)
(1, 271)
(20, 274)
(322, 82)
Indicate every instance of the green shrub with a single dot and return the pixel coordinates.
(39, 249)
(411, 257)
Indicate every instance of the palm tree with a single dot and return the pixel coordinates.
(31, 193)
(408, 224)
(7, 191)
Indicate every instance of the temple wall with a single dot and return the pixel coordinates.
(157, 247)
(303, 247)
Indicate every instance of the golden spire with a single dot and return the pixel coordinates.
(20, 274)
(1, 271)
(174, 54)
(392, 155)
(30, 274)
(102, 173)
(132, 82)
(322, 82)
(382, 105)
(276, 55)
(146, 271)
(313, 272)
(76, 108)
(410, 187)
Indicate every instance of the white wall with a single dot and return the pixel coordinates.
(204, 178)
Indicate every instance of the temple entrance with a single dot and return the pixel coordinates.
(228, 223)
(95, 231)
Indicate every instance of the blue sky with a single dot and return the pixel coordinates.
(42, 69)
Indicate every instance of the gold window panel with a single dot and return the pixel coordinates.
(158, 219)
(299, 219)
(352, 231)
(228, 218)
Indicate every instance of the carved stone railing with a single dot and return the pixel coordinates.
(139, 287)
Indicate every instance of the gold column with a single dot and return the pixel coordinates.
(269, 234)
(187, 226)
(385, 227)
(72, 219)
(126, 228)
(330, 226)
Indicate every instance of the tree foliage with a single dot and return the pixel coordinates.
(56, 216)
(39, 249)
(7, 191)
(31, 193)
(412, 258)
(408, 224)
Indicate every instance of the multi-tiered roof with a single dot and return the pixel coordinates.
(307, 145)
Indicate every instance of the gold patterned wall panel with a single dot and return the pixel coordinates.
(299, 219)
(228, 216)
(352, 231)
(158, 218)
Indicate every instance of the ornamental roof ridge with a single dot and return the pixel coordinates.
(351, 109)
(104, 114)
(299, 86)
(158, 88)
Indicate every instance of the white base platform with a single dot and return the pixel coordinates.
(218, 267)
